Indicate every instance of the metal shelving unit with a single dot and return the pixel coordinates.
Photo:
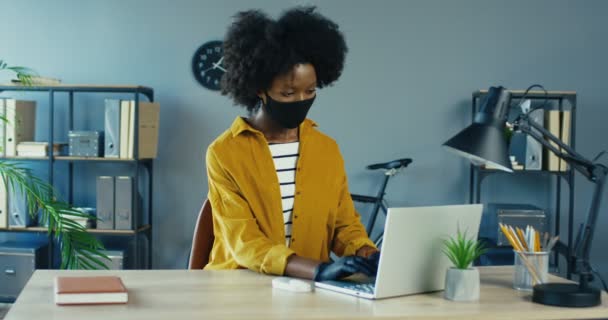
(136, 163)
(477, 175)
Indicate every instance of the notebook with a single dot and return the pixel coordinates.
(90, 290)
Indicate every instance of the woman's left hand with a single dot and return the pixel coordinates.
(371, 254)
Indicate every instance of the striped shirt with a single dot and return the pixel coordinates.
(285, 157)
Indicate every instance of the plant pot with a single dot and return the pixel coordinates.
(462, 284)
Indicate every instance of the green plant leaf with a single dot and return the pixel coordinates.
(23, 74)
(79, 248)
(462, 250)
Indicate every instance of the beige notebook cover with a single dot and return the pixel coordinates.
(90, 290)
(566, 119)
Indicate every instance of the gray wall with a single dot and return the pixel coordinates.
(406, 87)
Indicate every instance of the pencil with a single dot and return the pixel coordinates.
(520, 233)
(518, 249)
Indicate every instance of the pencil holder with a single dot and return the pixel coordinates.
(531, 268)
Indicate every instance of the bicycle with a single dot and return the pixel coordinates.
(390, 168)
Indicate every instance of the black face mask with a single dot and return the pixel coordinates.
(288, 114)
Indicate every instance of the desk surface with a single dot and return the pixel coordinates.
(183, 294)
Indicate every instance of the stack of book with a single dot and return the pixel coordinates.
(38, 149)
(120, 126)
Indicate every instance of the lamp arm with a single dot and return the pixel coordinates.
(596, 173)
(577, 161)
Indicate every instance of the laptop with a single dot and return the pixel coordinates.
(411, 257)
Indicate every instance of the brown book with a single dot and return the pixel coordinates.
(89, 290)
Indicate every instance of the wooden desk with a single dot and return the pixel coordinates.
(242, 294)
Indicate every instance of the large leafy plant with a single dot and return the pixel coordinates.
(79, 249)
(462, 250)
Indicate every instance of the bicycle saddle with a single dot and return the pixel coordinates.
(399, 163)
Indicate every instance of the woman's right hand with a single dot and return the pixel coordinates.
(344, 267)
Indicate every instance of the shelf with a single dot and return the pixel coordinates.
(534, 94)
(477, 175)
(69, 158)
(484, 173)
(25, 158)
(148, 92)
(92, 231)
(72, 159)
(524, 172)
(134, 92)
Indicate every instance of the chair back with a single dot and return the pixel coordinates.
(202, 241)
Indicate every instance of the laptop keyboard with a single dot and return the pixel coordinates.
(361, 287)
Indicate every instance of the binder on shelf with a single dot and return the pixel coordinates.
(18, 209)
(527, 151)
(565, 135)
(125, 111)
(3, 205)
(20, 126)
(2, 127)
(124, 203)
(105, 202)
(112, 128)
(552, 125)
(149, 114)
(534, 150)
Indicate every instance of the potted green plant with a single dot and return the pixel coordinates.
(462, 280)
(79, 249)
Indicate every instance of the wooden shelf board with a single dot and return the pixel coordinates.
(536, 92)
(93, 231)
(70, 158)
(24, 158)
(74, 86)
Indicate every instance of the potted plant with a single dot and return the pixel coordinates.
(462, 280)
(79, 249)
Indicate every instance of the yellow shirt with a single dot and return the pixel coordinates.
(246, 201)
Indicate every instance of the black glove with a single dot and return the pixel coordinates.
(344, 267)
(374, 258)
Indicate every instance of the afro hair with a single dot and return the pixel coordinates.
(257, 49)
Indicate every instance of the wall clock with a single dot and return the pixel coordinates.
(207, 64)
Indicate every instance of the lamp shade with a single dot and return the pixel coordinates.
(484, 141)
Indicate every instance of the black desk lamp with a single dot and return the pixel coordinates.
(484, 142)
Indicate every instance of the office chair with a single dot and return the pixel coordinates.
(203, 238)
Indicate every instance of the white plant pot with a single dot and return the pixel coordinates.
(462, 284)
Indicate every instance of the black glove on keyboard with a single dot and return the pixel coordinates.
(345, 267)
(374, 258)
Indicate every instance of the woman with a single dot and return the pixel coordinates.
(277, 185)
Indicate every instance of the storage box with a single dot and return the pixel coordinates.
(17, 264)
(85, 143)
(515, 215)
(118, 259)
